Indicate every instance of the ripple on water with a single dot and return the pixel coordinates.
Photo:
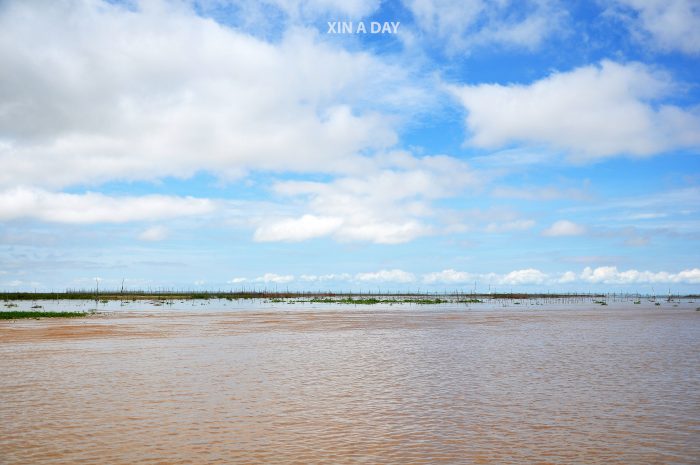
(583, 386)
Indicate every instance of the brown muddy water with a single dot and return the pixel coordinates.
(332, 385)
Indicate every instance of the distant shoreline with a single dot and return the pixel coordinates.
(242, 295)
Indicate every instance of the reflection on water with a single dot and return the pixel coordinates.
(593, 385)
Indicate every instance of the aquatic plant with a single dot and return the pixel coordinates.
(21, 314)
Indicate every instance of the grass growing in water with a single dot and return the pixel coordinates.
(351, 301)
(373, 301)
(19, 314)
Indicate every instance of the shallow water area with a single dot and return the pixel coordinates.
(273, 382)
(395, 303)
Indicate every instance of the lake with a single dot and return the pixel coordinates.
(270, 382)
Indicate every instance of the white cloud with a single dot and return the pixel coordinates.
(667, 24)
(448, 277)
(274, 278)
(532, 276)
(99, 92)
(31, 203)
(394, 276)
(611, 275)
(643, 218)
(590, 112)
(465, 24)
(523, 277)
(262, 17)
(688, 276)
(517, 277)
(564, 228)
(154, 233)
(326, 277)
(527, 276)
(384, 232)
(567, 277)
(297, 229)
(391, 202)
(337, 9)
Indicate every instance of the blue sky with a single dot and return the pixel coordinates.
(215, 144)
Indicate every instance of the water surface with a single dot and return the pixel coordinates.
(330, 384)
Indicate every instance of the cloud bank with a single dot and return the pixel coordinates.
(392, 203)
(99, 92)
(523, 277)
(91, 207)
(591, 112)
(668, 25)
(463, 25)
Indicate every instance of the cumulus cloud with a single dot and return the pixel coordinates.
(389, 276)
(532, 276)
(297, 229)
(390, 203)
(98, 91)
(522, 277)
(91, 207)
(466, 24)
(590, 112)
(274, 278)
(517, 277)
(393, 276)
(564, 228)
(668, 25)
(611, 275)
(567, 277)
(527, 276)
(449, 276)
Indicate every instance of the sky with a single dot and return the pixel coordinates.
(487, 145)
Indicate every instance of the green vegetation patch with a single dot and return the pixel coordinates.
(19, 314)
(426, 301)
(374, 301)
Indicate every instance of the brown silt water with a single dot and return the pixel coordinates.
(402, 385)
